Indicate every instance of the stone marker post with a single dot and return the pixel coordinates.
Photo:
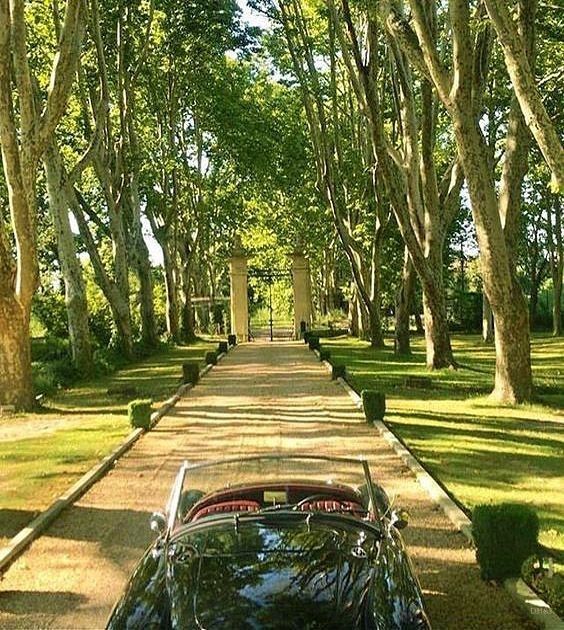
(239, 296)
(302, 292)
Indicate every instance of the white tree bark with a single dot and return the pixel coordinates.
(522, 78)
(75, 289)
(23, 140)
(460, 94)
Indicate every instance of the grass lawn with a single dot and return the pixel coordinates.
(42, 454)
(480, 451)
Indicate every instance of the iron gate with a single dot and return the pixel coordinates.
(274, 327)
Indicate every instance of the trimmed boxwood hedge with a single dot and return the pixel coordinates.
(139, 413)
(374, 404)
(505, 535)
(222, 347)
(338, 371)
(314, 343)
(307, 336)
(191, 372)
(211, 357)
(324, 355)
(232, 340)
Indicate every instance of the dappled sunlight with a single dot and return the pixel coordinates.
(262, 399)
(480, 450)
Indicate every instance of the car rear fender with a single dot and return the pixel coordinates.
(144, 603)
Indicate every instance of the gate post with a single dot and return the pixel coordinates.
(302, 291)
(239, 294)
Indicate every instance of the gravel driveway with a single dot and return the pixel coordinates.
(261, 397)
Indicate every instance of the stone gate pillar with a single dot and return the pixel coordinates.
(239, 295)
(302, 291)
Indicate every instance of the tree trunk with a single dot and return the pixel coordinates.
(143, 267)
(364, 321)
(557, 305)
(114, 290)
(375, 304)
(418, 320)
(404, 297)
(513, 381)
(513, 376)
(188, 332)
(353, 314)
(122, 320)
(187, 326)
(23, 139)
(437, 338)
(15, 355)
(375, 323)
(75, 290)
(171, 294)
(487, 320)
(534, 301)
(556, 260)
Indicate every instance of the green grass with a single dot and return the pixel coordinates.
(42, 454)
(478, 450)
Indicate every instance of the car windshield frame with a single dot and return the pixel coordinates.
(172, 508)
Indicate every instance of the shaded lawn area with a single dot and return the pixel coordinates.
(480, 451)
(42, 454)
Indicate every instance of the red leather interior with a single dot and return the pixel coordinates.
(240, 505)
(331, 505)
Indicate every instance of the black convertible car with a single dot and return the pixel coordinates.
(275, 541)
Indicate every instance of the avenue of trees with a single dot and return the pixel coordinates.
(413, 148)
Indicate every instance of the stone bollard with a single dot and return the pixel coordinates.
(374, 404)
(191, 372)
(211, 358)
(338, 371)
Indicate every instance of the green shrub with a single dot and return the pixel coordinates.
(139, 413)
(532, 569)
(50, 348)
(551, 588)
(122, 391)
(232, 340)
(505, 535)
(374, 404)
(222, 347)
(327, 333)
(211, 357)
(50, 310)
(48, 376)
(324, 355)
(218, 316)
(338, 371)
(191, 372)
(44, 378)
(108, 361)
(307, 335)
(314, 343)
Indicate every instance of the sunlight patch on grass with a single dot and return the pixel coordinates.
(42, 454)
(481, 451)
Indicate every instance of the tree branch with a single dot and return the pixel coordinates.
(526, 90)
(63, 72)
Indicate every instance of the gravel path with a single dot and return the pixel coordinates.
(260, 398)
